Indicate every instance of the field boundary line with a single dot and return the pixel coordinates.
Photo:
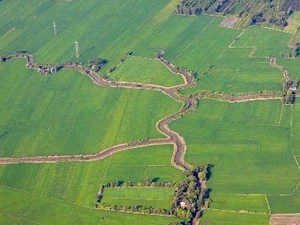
(38, 178)
(235, 211)
(46, 196)
(10, 8)
(292, 121)
(280, 115)
(186, 46)
(268, 204)
(21, 218)
(278, 30)
(8, 32)
(296, 188)
(295, 158)
(230, 45)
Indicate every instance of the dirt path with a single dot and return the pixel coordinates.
(273, 63)
(172, 137)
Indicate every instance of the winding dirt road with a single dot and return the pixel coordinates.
(172, 137)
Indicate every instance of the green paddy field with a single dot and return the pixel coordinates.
(254, 146)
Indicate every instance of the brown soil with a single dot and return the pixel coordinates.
(229, 22)
(285, 219)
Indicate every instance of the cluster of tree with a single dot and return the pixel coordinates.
(160, 54)
(274, 12)
(135, 208)
(190, 194)
(290, 91)
(96, 64)
(291, 4)
(148, 183)
(192, 7)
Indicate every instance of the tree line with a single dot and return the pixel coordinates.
(290, 91)
(253, 12)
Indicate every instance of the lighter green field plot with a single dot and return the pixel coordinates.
(249, 144)
(45, 210)
(145, 70)
(247, 203)
(156, 197)
(79, 182)
(66, 114)
(266, 42)
(232, 218)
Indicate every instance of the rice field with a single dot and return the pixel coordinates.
(253, 146)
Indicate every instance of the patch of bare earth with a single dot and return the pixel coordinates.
(285, 219)
(229, 22)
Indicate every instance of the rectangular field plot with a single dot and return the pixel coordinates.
(133, 196)
(285, 204)
(212, 217)
(285, 219)
(243, 203)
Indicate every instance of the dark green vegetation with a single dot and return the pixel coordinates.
(290, 91)
(191, 195)
(254, 146)
(274, 12)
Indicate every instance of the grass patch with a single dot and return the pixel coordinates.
(247, 203)
(156, 197)
(145, 70)
(232, 218)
